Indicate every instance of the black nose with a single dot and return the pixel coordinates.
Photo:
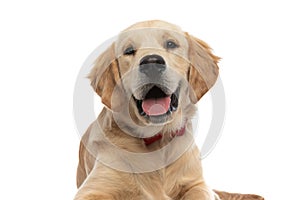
(152, 64)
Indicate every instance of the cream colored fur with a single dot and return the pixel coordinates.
(183, 179)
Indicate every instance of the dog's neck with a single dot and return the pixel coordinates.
(158, 136)
(107, 122)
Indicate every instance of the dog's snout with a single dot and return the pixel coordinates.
(152, 64)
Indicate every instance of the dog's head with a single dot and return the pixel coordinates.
(156, 72)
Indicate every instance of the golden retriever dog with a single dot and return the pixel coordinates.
(141, 145)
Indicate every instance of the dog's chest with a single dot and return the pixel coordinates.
(172, 181)
(156, 185)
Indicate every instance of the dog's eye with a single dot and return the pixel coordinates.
(170, 44)
(129, 51)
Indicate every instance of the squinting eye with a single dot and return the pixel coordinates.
(129, 51)
(170, 44)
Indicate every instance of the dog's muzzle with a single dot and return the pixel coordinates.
(155, 100)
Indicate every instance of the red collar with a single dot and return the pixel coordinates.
(158, 136)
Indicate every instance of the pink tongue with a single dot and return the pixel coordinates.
(153, 107)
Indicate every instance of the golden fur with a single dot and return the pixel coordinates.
(195, 66)
(236, 196)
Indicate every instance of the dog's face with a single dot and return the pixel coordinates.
(156, 72)
(156, 61)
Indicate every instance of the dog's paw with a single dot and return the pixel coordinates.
(237, 196)
(92, 197)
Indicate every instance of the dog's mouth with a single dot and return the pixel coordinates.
(157, 103)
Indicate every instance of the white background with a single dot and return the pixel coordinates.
(42, 48)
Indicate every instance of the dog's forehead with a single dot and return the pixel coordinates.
(150, 37)
(154, 24)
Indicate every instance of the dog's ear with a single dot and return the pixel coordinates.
(203, 71)
(105, 77)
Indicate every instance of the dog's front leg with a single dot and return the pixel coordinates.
(90, 195)
(199, 192)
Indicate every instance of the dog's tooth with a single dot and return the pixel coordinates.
(173, 108)
(142, 113)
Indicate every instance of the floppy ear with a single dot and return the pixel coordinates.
(203, 71)
(105, 76)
